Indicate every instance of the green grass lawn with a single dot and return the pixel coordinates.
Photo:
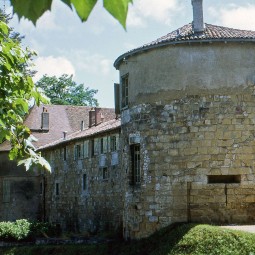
(183, 239)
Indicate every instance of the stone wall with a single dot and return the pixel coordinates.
(183, 143)
(95, 207)
(20, 196)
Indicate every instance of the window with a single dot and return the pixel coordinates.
(77, 152)
(224, 179)
(114, 142)
(135, 164)
(6, 191)
(124, 91)
(64, 153)
(96, 148)
(84, 182)
(57, 189)
(105, 173)
(103, 145)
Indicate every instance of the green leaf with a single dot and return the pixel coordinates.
(83, 7)
(118, 9)
(67, 2)
(31, 9)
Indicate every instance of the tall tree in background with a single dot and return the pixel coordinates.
(65, 91)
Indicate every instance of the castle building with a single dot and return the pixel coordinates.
(187, 105)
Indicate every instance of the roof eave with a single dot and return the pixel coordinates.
(126, 55)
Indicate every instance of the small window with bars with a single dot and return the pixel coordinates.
(84, 182)
(135, 164)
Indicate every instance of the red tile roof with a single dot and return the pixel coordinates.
(61, 118)
(89, 132)
(186, 34)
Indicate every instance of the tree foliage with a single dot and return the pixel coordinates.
(65, 91)
(16, 92)
(33, 10)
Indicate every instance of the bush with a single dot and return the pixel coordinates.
(14, 231)
(23, 230)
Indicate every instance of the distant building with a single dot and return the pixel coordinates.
(21, 192)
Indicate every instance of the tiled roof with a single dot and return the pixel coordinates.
(186, 34)
(61, 118)
(96, 130)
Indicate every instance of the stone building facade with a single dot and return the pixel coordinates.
(83, 193)
(184, 150)
(22, 193)
(187, 106)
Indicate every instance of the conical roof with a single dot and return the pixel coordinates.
(186, 34)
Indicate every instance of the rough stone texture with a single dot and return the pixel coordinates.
(95, 209)
(21, 197)
(193, 109)
(181, 144)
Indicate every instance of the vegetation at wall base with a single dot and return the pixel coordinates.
(180, 239)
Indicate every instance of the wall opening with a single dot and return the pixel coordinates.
(224, 179)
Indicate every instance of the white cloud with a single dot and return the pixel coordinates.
(52, 66)
(93, 64)
(158, 10)
(235, 16)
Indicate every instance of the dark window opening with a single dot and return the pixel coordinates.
(135, 164)
(124, 96)
(224, 179)
(102, 145)
(92, 147)
(57, 189)
(105, 173)
(113, 143)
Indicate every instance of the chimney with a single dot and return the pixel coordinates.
(45, 120)
(64, 134)
(198, 20)
(92, 117)
(98, 116)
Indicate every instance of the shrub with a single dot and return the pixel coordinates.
(14, 231)
(23, 230)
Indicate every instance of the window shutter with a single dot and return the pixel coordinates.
(105, 144)
(117, 97)
(96, 146)
(86, 149)
(117, 142)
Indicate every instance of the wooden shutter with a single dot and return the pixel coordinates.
(105, 144)
(86, 149)
(96, 146)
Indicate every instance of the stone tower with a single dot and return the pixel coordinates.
(187, 103)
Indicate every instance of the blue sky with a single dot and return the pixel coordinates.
(88, 50)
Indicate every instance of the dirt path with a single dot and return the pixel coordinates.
(246, 228)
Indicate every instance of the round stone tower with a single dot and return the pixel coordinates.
(187, 102)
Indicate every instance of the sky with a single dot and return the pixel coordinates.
(65, 45)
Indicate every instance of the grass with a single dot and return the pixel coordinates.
(179, 240)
